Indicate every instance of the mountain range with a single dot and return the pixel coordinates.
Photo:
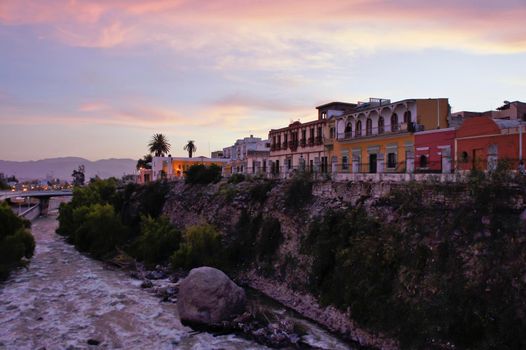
(62, 168)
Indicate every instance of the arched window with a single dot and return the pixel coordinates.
(359, 128)
(381, 125)
(394, 122)
(407, 117)
(423, 161)
(369, 127)
(348, 130)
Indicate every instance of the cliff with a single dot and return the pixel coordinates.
(387, 265)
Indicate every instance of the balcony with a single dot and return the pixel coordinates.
(293, 145)
(318, 141)
(311, 141)
(303, 143)
(378, 131)
(285, 145)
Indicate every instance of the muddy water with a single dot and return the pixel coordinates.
(65, 299)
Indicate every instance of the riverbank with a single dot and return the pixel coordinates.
(66, 300)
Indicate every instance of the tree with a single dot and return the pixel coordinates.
(145, 162)
(159, 145)
(78, 176)
(190, 147)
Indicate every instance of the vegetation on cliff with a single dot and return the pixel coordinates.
(447, 268)
(16, 242)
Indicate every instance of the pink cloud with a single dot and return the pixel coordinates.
(235, 23)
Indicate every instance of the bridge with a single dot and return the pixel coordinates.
(42, 196)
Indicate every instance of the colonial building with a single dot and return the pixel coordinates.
(481, 142)
(247, 156)
(305, 146)
(378, 135)
(435, 151)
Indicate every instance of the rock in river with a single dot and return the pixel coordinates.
(207, 297)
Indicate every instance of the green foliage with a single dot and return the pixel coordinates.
(269, 238)
(98, 230)
(299, 191)
(227, 191)
(158, 240)
(201, 246)
(136, 200)
(4, 185)
(236, 178)
(260, 191)
(16, 242)
(240, 243)
(446, 270)
(201, 174)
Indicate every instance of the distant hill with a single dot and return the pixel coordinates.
(63, 167)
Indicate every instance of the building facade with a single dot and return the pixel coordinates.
(247, 156)
(435, 151)
(378, 136)
(173, 168)
(481, 142)
(305, 146)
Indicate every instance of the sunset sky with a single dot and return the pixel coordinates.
(97, 78)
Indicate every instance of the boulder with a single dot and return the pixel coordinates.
(207, 297)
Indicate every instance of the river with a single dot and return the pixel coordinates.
(65, 299)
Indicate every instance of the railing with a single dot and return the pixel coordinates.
(375, 131)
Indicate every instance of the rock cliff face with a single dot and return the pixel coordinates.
(388, 254)
(284, 277)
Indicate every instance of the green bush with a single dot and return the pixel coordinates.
(158, 240)
(269, 239)
(236, 178)
(98, 230)
(259, 192)
(201, 174)
(16, 242)
(298, 191)
(201, 246)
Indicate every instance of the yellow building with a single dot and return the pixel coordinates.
(175, 167)
(377, 136)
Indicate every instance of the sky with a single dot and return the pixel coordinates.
(97, 78)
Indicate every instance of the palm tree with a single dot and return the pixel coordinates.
(159, 145)
(190, 147)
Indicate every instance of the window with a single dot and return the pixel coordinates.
(323, 115)
(407, 117)
(264, 165)
(345, 163)
(369, 127)
(332, 132)
(394, 122)
(359, 128)
(464, 157)
(348, 130)
(289, 163)
(391, 160)
(381, 125)
(423, 161)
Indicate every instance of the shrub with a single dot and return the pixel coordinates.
(240, 243)
(201, 174)
(260, 190)
(98, 230)
(201, 246)
(158, 240)
(16, 242)
(269, 239)
(299, 191)
(236, 178)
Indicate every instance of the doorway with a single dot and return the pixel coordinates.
(372, 163)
